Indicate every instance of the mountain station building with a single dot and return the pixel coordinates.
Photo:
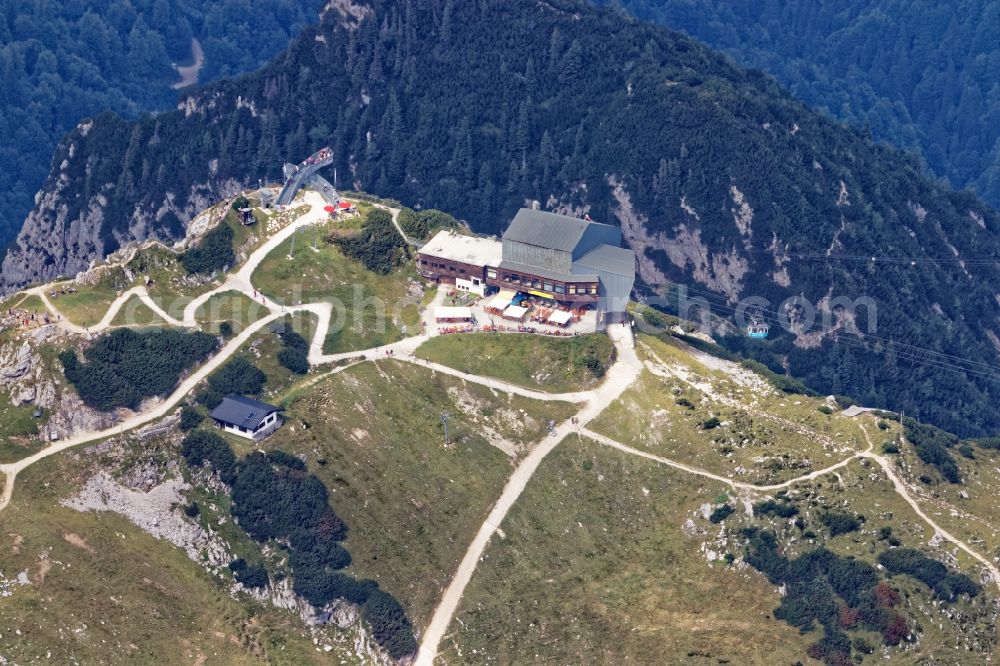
(546, 255)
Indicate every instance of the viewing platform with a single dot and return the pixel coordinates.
(297, 175)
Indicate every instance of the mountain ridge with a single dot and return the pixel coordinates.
(717, 176)
(920, 76)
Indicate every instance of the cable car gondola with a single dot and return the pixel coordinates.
(758, 329)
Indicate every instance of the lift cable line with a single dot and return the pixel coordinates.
(777, 317)
(907, 352)
(972, 261)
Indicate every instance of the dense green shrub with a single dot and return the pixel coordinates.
(840, 523)
(378, 245)
(389, 624)
(125, 366)
(192, 510)
(279, 457)
(274, 498)
(294, 354)
(932, 446)
(773, 508)
(419, 225)
(209, 397)
(935, 575)
(191, 418)
(711, 423)
(238, 376)
(250, 575)
(989, 443)
(213, 253)
(201, 446)
(271, 500)
(836, 592)
(721, 513)
(890, 447)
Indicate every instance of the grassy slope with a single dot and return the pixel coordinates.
(169, 287)
(594, 564)
(262, 350)
(232, 306)
(87, 306)
(29, 303)
(18, 431)
(136, 313)
(103, 591)
(325, 274)
(863, 489)
(527, 360)
(18, 426)
(648, 417)
(594, 568)
(412, 505)
(972, 517)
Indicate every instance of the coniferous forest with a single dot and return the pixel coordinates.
(63, 61)
(919, 75)
(476, 108)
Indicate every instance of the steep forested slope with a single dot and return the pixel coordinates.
(922, 75)
(717, 176)
(63, 61)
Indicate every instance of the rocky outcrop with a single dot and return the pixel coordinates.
(27, 379)
(68, 230)
(151, 495)
(720, 271)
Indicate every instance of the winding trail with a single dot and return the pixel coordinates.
(240, 281)
(735, 485)
(620, 376)
(116, 305)
(141, 418)
(899, 486)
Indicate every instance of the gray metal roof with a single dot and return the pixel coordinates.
(608, 258)
(240, 411)
(549, 230)
(545, 273)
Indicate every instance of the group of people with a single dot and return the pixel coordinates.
(25, 319)
(499, 328)
(317, 157)
(465, 328)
